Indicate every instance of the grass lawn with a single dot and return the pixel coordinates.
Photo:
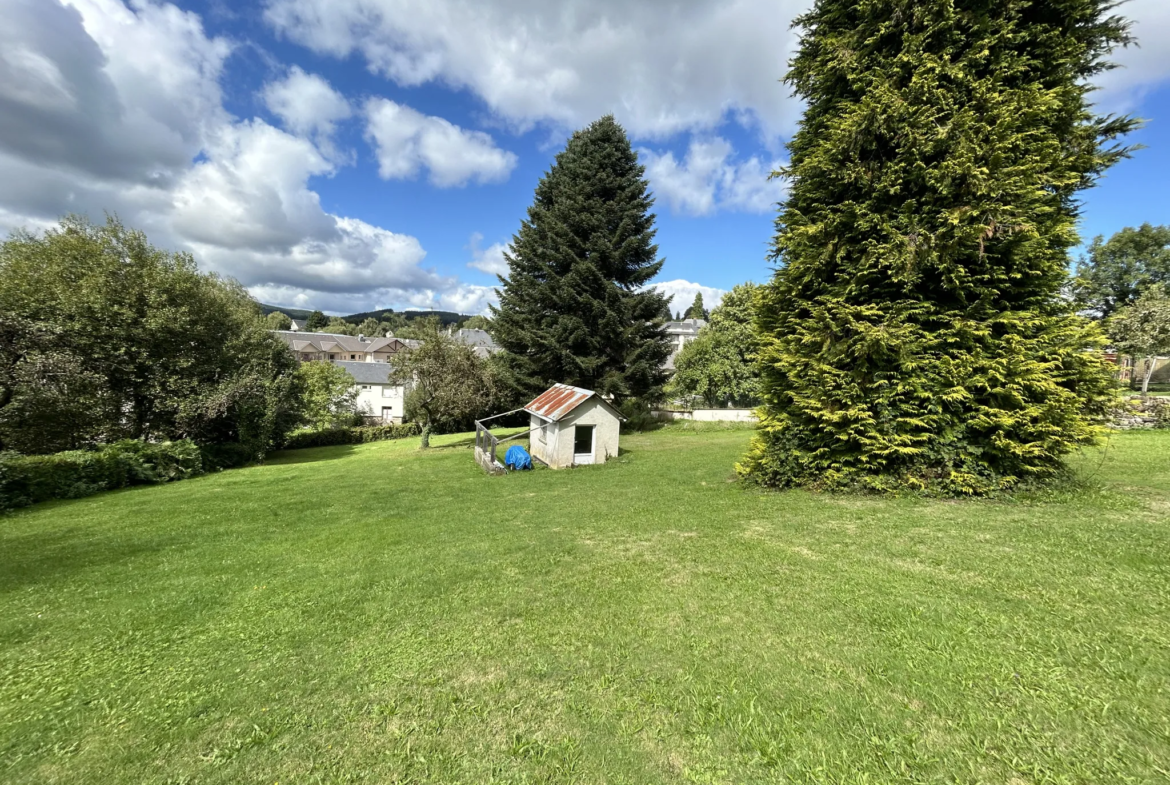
(373, 614)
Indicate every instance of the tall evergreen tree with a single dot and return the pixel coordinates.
(573, 308)
(697, 311)
(316, 321)
(914, 336)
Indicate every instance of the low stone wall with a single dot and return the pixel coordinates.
(1135, 413)
(484, 459)
(708, 415)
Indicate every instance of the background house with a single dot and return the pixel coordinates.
(379, 399)
(572, 427)
(479, 340)
(334, 347)
(367, 360)
(680, 334)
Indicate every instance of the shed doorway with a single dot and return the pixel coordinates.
(583, 444)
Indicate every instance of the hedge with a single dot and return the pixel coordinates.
(28, 479)
(330, 437)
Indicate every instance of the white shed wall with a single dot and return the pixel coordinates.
(605, 435)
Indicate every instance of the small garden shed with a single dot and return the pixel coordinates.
(572, 427)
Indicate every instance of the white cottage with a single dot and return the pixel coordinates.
(572, 427)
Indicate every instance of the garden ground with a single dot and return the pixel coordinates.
(378, 614)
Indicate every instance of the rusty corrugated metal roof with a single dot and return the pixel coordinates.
(557, 401)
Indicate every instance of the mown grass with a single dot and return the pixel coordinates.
(373, 614)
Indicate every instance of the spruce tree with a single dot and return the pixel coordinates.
(697, 311)
(574, 307)
(913, 335)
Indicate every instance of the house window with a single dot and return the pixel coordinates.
(387, 392)
(333, 357)
(387, 413)
(367, 387)
(353, 357)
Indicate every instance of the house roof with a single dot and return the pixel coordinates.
(475, 337)
(367, 373)
(559, 400)
(333, 342)
(685, 327)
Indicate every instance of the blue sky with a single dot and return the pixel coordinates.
(359, 154)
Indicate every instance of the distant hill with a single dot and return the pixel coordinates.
(446, 317)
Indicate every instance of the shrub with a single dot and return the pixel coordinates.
(29, 479)
(230, 455)
(333, 436)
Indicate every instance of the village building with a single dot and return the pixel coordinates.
(571, 426)
(336, 347)
(380, 400)
(680, 334)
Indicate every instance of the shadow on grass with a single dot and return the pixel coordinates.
(308, 455)
(42, 557)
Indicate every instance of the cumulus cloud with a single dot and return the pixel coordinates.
(660, 68)
(307, 106)
(89, 87)
(489, 260)
(707, 180)
(683, 294)
(1143, 67)
(106, 107)
(407, 141)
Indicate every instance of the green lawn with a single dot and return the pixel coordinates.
(373, 614)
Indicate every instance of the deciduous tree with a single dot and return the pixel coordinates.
(719, 367)
(1142, 330)
(329, 395)
(1119, 269)
(446, 381)
(165, 351)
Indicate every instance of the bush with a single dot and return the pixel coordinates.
(333, 436)
(28, 479)
(230, 455)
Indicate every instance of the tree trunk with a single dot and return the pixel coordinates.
(1151, 362)
(426, 435)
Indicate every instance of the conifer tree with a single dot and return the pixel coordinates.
(913, 335)
(574, 307)
(697, 311)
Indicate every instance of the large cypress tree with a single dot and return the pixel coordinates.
(573, 308)
(913, 335)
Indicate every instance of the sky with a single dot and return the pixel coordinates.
(354, 155)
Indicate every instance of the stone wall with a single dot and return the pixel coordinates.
(1134, 413)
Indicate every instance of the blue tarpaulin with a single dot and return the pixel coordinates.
(517, 458)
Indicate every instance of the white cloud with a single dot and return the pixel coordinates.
(1144, 66)
(407, 141)
(90, 88)
(308, 106)
(659, 67)
(683, 294)
(489, 260)
(109, 107)
(707, 180)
